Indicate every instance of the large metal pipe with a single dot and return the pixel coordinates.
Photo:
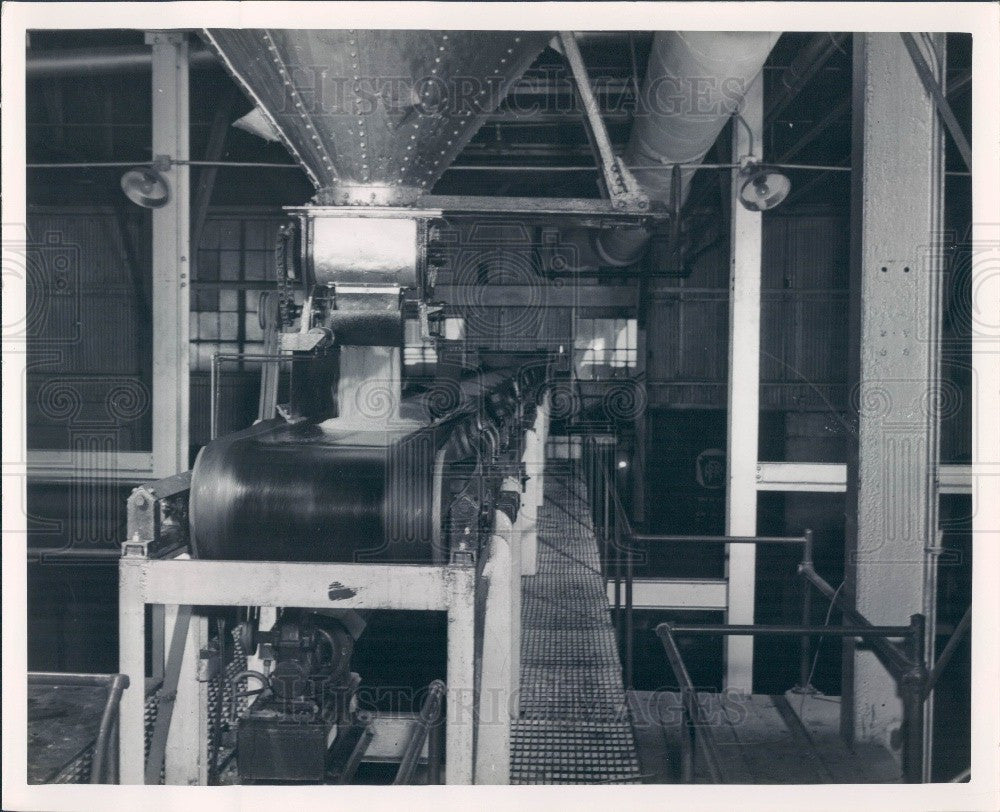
(55, 63)
(695, 81)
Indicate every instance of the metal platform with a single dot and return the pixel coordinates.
(62, 726)
(575, 726)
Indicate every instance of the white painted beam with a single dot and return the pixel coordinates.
(743, 398)
(895, 317)
(185, 761)
(689, 594)
(171, 256)
(72, 465)
(493, 707)
(461, 712)
(132, 663)
(306, 585)
(811, 477)
(184, 581)
(831, 477)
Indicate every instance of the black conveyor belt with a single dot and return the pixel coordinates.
(329, 491)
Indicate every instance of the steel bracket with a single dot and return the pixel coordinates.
(620, 184)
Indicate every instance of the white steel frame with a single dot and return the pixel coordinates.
(171, 257)
(743, 413)
(183, 582)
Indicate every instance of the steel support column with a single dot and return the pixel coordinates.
(743, 398)
(895, 310)
(171, 256)
(492, 746)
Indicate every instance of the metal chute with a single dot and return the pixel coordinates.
(375, 117)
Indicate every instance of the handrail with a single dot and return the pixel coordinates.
(895, 658)
(116, 685)
(694, 728)
(905, 664)
(949, 650)
(622, 522)
(660, 538)
(430, 715)
(623, 526)
(908, 669)
(784, 630)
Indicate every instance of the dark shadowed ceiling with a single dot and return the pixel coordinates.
(534, 144)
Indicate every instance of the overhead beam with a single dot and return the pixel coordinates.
(807, 63)
(51, 64)
(837, 112)
(933, 86)
(208, 174)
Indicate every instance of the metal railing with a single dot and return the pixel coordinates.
(104, 763)
(621, 538)
(905, 663)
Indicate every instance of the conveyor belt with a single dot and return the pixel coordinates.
(574, 726)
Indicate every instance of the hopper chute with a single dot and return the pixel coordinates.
(375, 117)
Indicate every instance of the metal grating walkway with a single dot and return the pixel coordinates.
(574, 726)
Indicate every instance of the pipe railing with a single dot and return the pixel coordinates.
(695, 728)
(905, 663)
(949, 650)
(621, 527)
(104, 763)
(423, 727)
(909, 672)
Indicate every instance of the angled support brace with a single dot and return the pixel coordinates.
(167, 695)
(940, 102)
(620, 184)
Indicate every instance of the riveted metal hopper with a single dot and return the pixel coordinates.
(375, 117)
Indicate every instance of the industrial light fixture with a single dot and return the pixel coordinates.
(763, 188)
(146, 187)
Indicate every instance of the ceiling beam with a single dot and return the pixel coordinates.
(56, 62)
(807, 63)
(841, 109)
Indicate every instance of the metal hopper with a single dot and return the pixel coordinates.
(375, 117)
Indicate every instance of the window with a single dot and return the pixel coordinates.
(605, 348)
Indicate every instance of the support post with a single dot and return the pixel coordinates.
(492, 712)
(186, 761)
(743, 398)
(805, 645)
(534, 496)
(514, 638)
(543, 440)
(171, 256)
(461, 675)
(131, 663)
(895, 314)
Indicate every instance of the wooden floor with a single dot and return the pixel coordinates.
(788, 739)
